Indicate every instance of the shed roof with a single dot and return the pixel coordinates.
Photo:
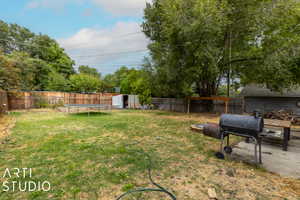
(256, 91)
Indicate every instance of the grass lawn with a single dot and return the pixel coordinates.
(99, 157)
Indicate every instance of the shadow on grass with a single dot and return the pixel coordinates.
(91, 114)
(163, 113)
(15, 114)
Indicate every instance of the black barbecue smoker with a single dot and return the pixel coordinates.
(250, 127)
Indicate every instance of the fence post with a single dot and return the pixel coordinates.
(188, 105)
(226, 107)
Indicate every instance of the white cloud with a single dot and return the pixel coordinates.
(123, 7)
(105, 48)
(52, 4)
(115, 7)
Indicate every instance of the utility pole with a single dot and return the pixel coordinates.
(229, 68)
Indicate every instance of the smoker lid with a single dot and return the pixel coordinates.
(242, 122)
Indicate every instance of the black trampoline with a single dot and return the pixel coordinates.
(71, 108)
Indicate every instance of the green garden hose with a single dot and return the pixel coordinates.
(141, 190)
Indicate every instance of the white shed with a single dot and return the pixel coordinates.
(118, 102)
(126, 101)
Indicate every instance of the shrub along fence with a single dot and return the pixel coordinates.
(3, 102)
(28, 100)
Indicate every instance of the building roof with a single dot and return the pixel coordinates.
(256, 91)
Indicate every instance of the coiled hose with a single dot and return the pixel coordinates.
(141, 190)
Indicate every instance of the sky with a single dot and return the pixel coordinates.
(104, 34)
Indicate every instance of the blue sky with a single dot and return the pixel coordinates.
(93, 32)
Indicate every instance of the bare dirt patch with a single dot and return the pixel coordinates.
(6, 124)
(201, 118)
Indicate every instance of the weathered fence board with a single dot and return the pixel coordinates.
(170, 104)
(27, 100)
(235, 105)
(3, 102)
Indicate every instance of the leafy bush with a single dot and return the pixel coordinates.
(41, 102)
(85, 83)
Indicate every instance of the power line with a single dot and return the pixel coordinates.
(112, 53)
(84, 56)
(45, 46)
(113, 65)
(117, 36)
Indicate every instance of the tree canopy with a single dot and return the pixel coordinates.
(195, 47)
(28, 60)
(84, 69)
(200, 43)
(85, 83)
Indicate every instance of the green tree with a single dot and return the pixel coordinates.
(83, 69)
(127, 84)
(85, 83)
(47, 49)
(111, 81)
(57, 82)
(142, 88)
(203, 42)
(14, 37)
(136, 82)
(4, 36)
(27, 59)
(116, 78)
(9, 74)
(33, 72)
(20, 71)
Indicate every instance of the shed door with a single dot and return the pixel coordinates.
(117, 101)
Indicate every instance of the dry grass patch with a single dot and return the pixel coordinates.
(6, 124)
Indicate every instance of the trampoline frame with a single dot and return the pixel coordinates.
(88, 107)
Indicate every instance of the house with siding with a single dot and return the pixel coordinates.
(266, 100)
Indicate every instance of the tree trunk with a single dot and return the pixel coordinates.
(207, 89)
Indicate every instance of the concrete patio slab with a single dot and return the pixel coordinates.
(284, 163)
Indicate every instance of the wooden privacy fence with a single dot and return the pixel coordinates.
(27, 100)
(219, 105)
(169, 104)
(3, 102)
(234, 106)
(199, 104)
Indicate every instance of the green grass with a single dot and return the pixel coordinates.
(77, 153)
(103, 155)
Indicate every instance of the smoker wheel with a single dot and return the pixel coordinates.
(220, 155)
(228, 149)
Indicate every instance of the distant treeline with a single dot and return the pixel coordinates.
(30, 61)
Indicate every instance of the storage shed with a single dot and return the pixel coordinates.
(126, 101)
(265, 100)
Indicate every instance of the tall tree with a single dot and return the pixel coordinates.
(57, 82)
(9, 74)
(47, 49)
(20, 71)
(83, 69)
(85, 83)
(204, 42)
(115, 79)
(27, 59)
(14, 37)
